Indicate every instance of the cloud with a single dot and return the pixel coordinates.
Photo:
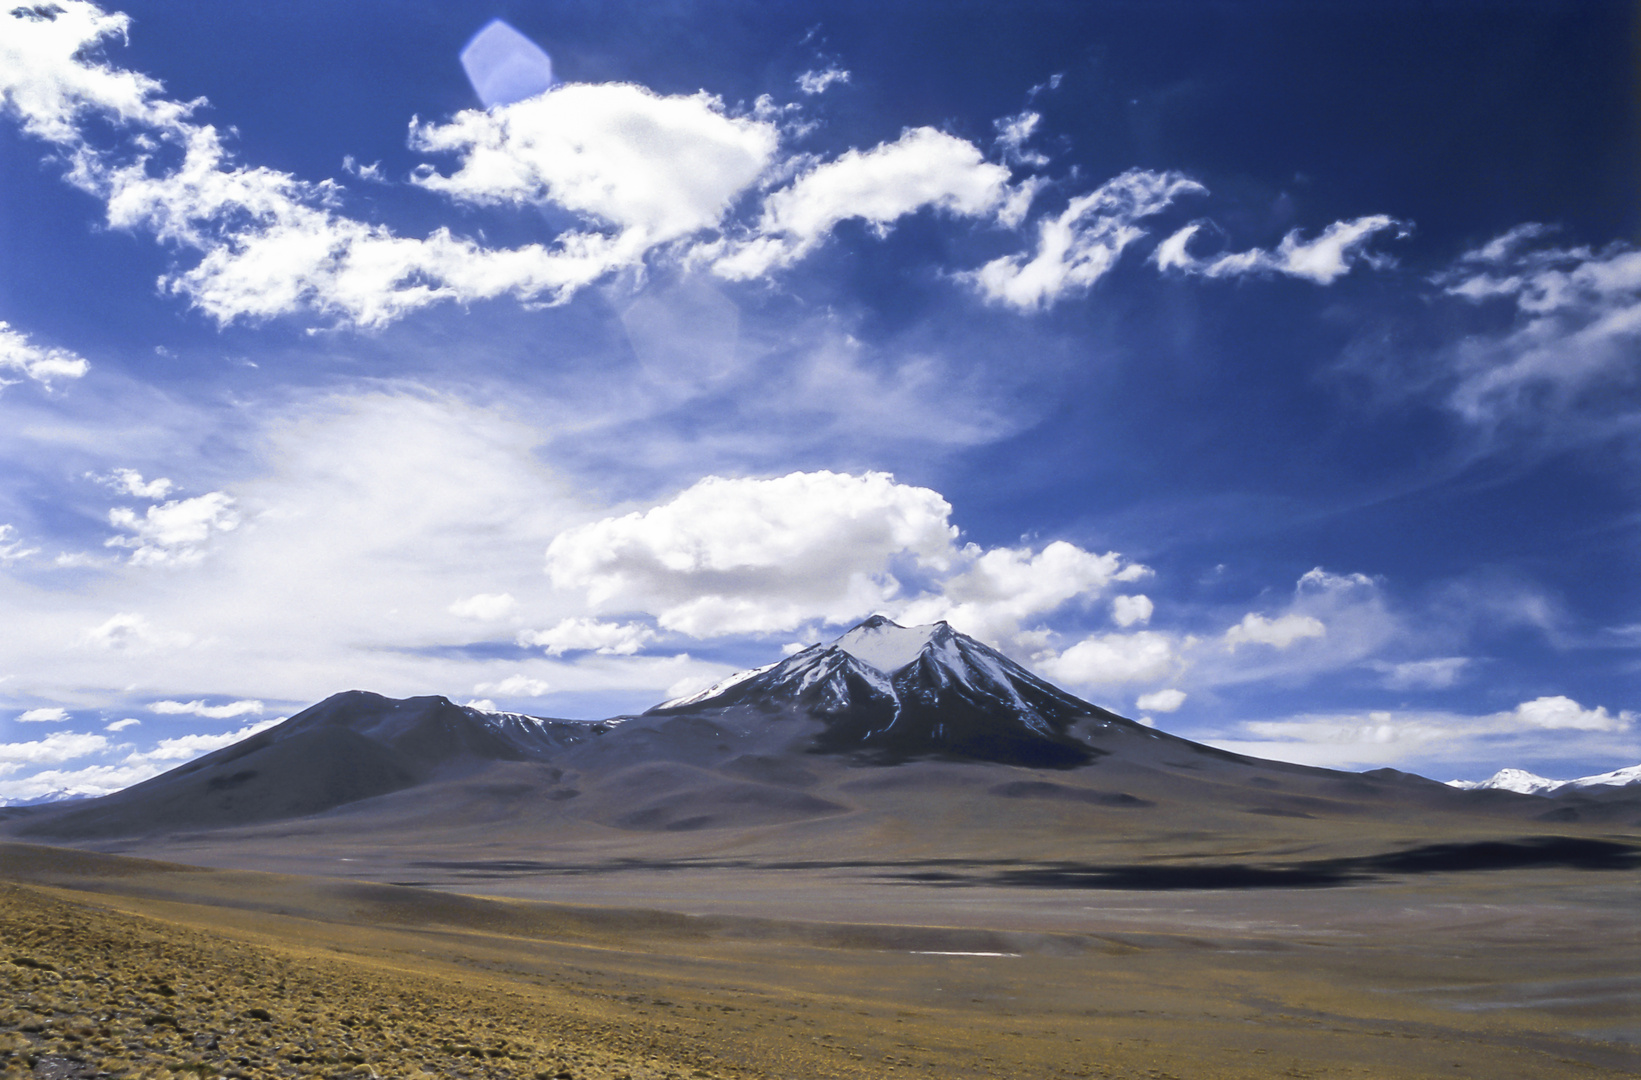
(1080, 245)
(1564, 714)
(269, 243)
(130, 482)
(923, 168)
(481, 704)
(653, 167)
(515, 686)
(1160, 701)
(1328, 257)
(58, 747)
(1545, 729)
(19, 356)
(12, 549)
(1128, 610)
(816, 82)
(89, 782)
(1437, 674)
(187, 747)
(48, 715)
(130, 632)
(1113, 660)
(1570, 352)
(589, 635)
(48, 79)
(176, 532)
(1279, 632)
(123, 725)
(199, 708)
(486, 607)
(753, 556)
(992, 592)
(758, 556)
(1013, 132)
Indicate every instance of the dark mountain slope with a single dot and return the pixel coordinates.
(351, 746)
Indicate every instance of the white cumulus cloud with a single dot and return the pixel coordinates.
(54, 714)
(130, 482)
(57, 747)
(187, 747)
(519, 685)
(923, 168)
(1545, 728)
(485, 606)
(1112, 660)
(175, 532)
(994, 591)
(1128, 610)
(655, 167)
(1161, 701)
(589, 635)
(123, 725)
(748, 556)
(20, 356)
(753, 556)
(131, 632)
(199, 708)
(1565, 714)
(1279, 632)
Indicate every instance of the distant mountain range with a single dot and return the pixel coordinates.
(1523, 782)
(851, 729)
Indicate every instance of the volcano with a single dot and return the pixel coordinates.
(888, 694)
(833, 731)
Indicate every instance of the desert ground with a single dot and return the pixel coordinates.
(734, 967)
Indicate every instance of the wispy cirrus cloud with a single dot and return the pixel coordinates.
(1330, 255)
(1081, 244)
(1571, 347)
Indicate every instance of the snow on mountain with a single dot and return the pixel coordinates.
(1520, 781)
(897, 692)
(1525, 783)
(714, 690)
(1617, 778)
(886, 645)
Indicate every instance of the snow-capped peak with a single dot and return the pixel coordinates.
(886, 645)
(1525, 783)
(716, 688)
(1617, 778)
(1520, 781)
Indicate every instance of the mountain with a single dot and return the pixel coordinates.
(1525, 783)
(351, 746)
(887, 694)
(888, 735)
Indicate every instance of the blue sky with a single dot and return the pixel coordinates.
(1269, 371)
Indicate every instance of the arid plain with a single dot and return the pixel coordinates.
(938, 866)
(1495, 946)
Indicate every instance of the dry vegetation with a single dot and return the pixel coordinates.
(118, 967)
(94, 993)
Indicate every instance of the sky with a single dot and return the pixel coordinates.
(1269, 372)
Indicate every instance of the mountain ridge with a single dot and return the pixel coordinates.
(884, 720)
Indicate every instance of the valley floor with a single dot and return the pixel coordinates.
(113, 966)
